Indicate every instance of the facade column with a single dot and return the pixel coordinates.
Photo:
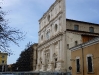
(60, 58)
(51, 62)
(51, 54)
(43, 61)
(38, 61)
(51, 31)
(61, 50)
(44, 34)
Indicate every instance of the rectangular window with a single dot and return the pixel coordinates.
(77, 65)
(91, 29)
(89, 64)
(67, 46)
(2, 61)
(47, 35)
(76, 43)
(76, 27)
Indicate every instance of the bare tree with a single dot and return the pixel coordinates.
(8, 34)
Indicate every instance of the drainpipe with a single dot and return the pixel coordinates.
(66, 49)
(82, 59)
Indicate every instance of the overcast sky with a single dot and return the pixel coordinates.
(24, 15)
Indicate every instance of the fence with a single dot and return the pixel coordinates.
(34, 73)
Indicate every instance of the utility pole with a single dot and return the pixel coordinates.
(82, 58)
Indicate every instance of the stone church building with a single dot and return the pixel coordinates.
(57, 34)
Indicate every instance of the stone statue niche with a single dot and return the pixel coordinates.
(55, 60)
(47, 56)
(55, 55)
(56, 49)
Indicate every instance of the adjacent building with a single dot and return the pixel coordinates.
(85, 58)
(57, 34)
(78, 32)
(3, 61)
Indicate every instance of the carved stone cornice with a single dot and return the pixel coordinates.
(60, 61)
(82, 32)
(51, 40)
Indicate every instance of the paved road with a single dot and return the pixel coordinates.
(8, 74)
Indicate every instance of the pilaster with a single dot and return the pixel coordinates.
(60, 61)
(51, 62)
(43, 61)
(38, 62)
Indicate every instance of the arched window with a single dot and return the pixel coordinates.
(90, 62)
(55, 62)
(56, 27)
(42, 37)
(48, 17)
(77, 64)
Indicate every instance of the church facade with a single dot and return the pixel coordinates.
(52, 38)
(57, 34)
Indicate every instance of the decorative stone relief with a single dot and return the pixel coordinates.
(40, 60)
(48, 32)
